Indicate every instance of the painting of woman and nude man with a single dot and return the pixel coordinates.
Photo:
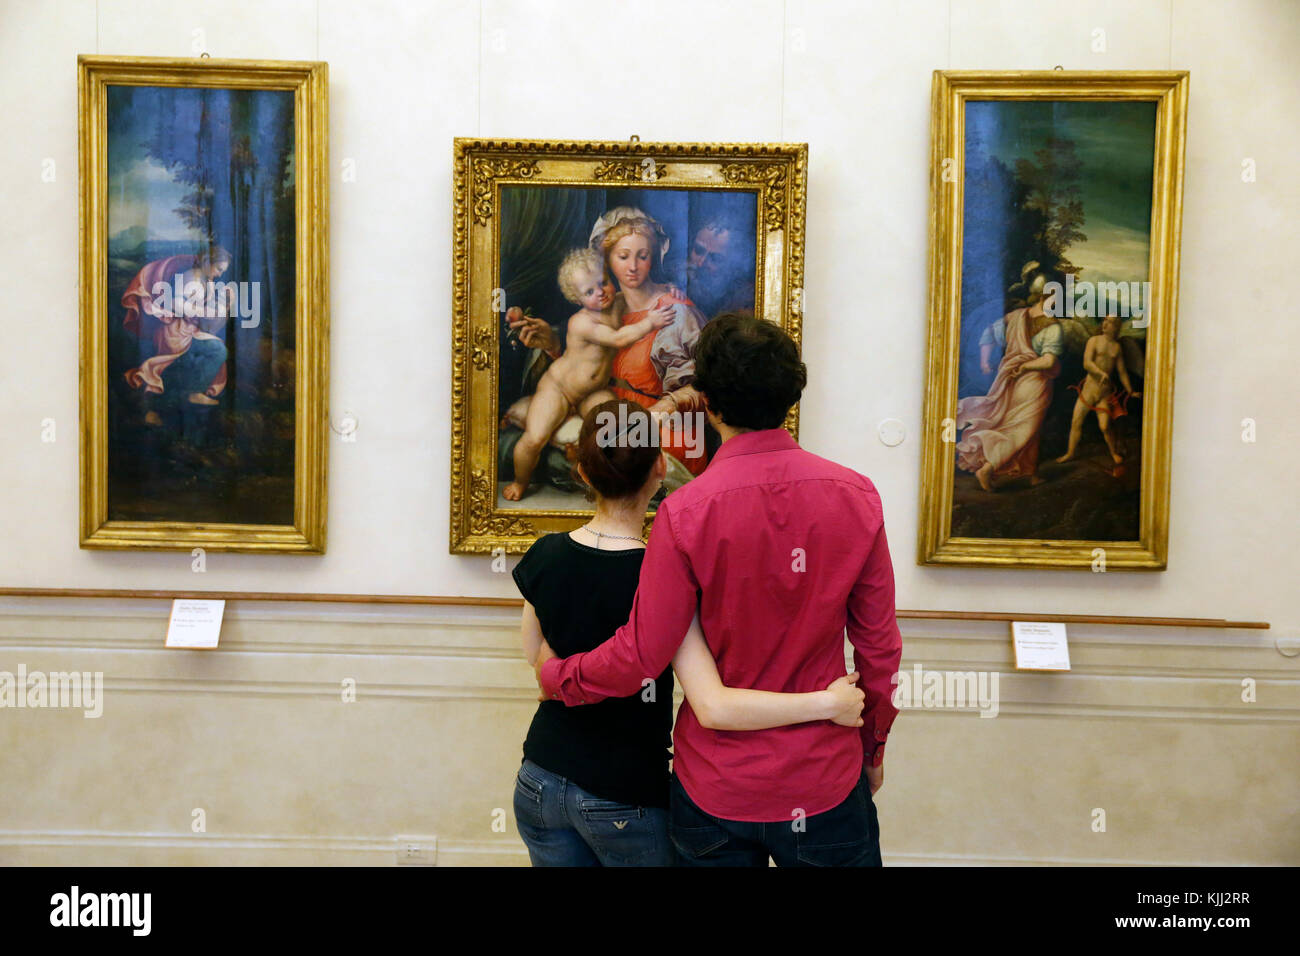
(1055, 259)
(605, 291)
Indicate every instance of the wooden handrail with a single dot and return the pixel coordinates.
(448, 600)
(1082, 619)
(262, 596)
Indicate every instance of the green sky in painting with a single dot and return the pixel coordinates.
(1115, 143)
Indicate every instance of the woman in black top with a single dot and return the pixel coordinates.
(593, 786)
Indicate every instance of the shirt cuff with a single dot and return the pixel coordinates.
(874, 759)
(550, 679)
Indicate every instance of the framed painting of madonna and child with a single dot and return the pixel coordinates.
(1056, 202)
(584, 272)
(204, 328)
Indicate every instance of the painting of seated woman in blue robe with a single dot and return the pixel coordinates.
(201, 310)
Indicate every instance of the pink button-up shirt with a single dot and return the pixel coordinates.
(781, 551)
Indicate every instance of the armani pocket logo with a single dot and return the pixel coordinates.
(619, 824)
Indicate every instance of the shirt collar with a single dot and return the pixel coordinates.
(756, 442)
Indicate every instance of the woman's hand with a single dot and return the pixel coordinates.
(661, 409)
(846, 701)
(544, 654)
(1045, 363)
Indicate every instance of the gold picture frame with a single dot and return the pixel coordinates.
(767, 180)
(1061, 151)
(293, 252)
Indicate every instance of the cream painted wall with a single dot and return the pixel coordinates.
(851, 79)
(1149, 725)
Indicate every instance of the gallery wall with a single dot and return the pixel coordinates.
(1145, 713)
(850, 79)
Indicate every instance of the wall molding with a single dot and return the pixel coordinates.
(445, 600)
(397, 655)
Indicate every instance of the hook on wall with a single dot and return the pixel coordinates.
(346, 427)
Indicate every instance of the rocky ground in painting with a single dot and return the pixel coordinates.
(1079, 499)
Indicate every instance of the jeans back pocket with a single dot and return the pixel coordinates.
(623, 834)
(529, 791)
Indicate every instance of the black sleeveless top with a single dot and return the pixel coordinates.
(617, 749)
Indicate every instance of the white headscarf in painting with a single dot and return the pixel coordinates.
(621, 213)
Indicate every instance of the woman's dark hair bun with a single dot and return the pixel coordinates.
(611, 449)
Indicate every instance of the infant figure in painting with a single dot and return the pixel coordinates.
(1102, 360)
(579, 379)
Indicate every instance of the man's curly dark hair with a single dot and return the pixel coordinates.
(749, 370)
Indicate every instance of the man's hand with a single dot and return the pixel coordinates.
(544, 654)
(875, 777)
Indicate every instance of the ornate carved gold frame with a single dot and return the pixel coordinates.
(776, 172)
(309, 83)
(951, 91)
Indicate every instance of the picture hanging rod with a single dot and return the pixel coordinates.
(452, 601)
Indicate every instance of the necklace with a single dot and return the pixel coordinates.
(601, 534)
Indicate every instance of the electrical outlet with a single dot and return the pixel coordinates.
(417, 851)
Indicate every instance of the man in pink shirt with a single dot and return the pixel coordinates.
(781, 552)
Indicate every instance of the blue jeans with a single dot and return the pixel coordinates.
(564, 825)
(846, 835)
